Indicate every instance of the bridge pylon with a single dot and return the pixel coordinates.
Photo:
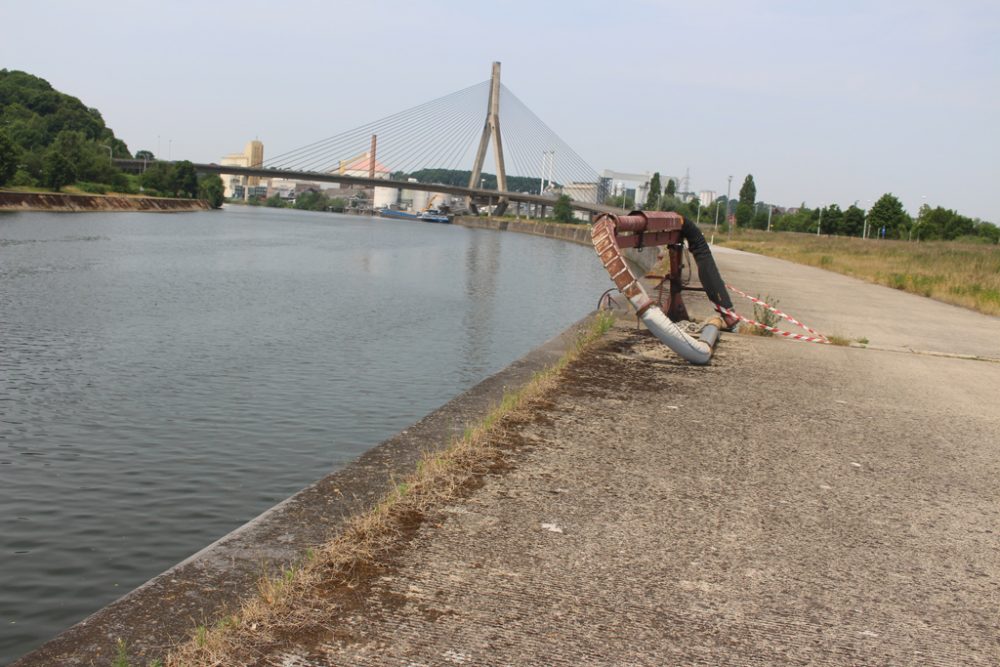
(491, 128)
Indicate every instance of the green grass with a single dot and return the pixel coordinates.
(121, 654)
(763, 315)
(964, 274)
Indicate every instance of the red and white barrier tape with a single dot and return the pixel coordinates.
(815, 338)
(777, 312)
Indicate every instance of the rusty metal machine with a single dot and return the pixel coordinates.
(645, 229)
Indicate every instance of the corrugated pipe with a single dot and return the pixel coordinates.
(696, 351)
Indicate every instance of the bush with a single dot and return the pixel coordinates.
(211, 189)
(975, 239)
(22, 178)
(562, 210)
(763, 315)
(93, 188)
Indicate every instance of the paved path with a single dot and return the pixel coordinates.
(844, 306)
(789, 504)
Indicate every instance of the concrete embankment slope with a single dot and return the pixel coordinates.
(553, 230)
(50, 201)
(791, 503)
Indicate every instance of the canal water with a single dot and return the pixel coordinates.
(165, 378)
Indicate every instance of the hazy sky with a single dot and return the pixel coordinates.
(823, 102)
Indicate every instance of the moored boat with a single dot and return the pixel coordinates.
(399, 215)
(434, 215)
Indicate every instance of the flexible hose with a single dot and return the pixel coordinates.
(696, 351)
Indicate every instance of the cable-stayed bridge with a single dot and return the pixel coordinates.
(427, 147)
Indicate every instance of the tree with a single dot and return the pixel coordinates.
(748, 191)
(744, 207)
(693, 209)
(653, 198)
(72, 146)
(888, 213)
(759, 219)
(184, 180)
(144, 155)
(942, 223)
(987, 231)
(801, 220)
(210, 189)
(854, 221)
(561, 210)
(158, 178)
(57, 170)
(744, 212)
(833, 220)
(9, 155)
(311, 200)
(621, 201)
(672, 204)
(671, 187)
(719, 207)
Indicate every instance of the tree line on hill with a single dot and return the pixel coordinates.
(885, 219)
(50, 139)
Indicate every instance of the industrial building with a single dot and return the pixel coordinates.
(244, 187)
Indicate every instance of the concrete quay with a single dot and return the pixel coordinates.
(792, 503)
(72, 203)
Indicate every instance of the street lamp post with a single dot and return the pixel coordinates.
(729, 187)
(820, 223)
(111, 159)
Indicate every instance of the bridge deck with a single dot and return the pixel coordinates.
(478, 194)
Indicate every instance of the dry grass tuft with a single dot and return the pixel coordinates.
(290, 603)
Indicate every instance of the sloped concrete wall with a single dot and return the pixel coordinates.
(50, 201)
(556, 230)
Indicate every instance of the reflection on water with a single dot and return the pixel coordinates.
(165, 378)
(482, 258)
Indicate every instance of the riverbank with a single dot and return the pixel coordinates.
(212, 584)
(628, 520)
(648, 512)
(579, 234)
(306, 406)
(75, 203)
